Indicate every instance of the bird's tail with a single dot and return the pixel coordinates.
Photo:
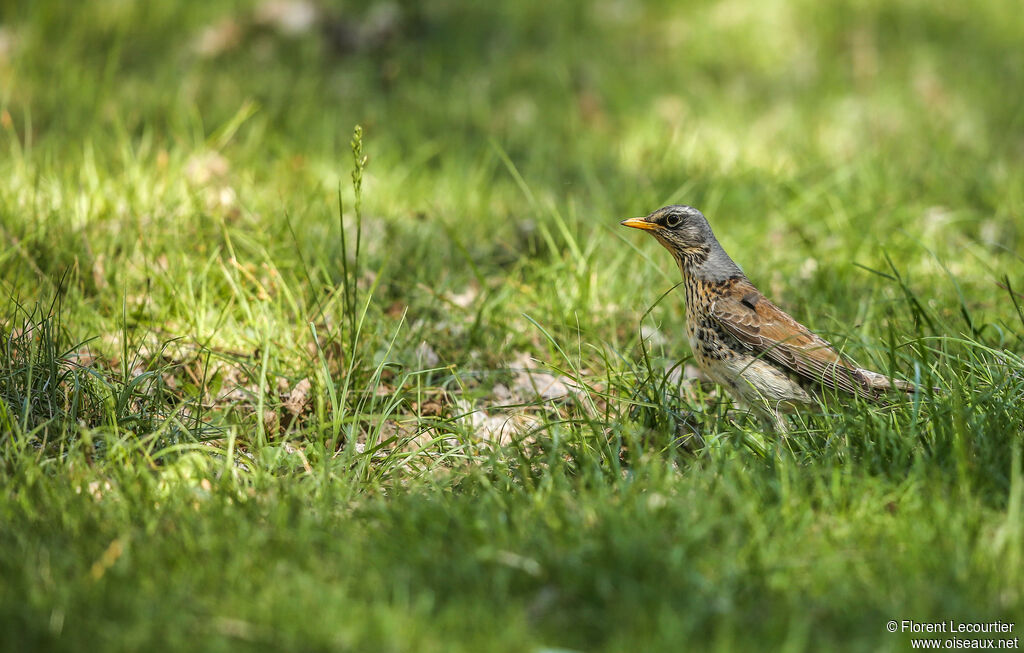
(882, 383)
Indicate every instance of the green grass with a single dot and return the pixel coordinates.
(258, 392)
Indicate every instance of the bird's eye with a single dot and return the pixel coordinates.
(672, 221)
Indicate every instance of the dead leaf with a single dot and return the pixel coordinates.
(298, 398)
(395, 309)
(428, 409)
(463, 299)
(270, 423)
(540, 384)
(202, 168)
(504, 428)
(500, 426)
(530, 384)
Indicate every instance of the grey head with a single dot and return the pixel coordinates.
(685, 232)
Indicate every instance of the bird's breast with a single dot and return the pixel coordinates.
(725, 361)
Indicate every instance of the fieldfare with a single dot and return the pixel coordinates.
(741, 340)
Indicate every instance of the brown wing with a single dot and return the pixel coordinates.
(768, 331)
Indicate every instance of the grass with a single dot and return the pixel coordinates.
(269, 380)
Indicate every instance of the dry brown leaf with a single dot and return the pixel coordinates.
(429, 409)
(395, 309)
(463, 299)
(298, 398)
(202, 168)
(500, 426)
(539, 385)
(271, 422)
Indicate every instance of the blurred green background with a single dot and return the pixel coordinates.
(814, 136)
(173, 173)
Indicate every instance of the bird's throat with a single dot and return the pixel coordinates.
(707, 263)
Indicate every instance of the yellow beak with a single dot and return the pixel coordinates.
(639, 223)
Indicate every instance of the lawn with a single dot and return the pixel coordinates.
(318, 330)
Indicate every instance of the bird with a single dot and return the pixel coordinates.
(742, 341)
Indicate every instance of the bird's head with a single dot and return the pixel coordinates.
(681, 229)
